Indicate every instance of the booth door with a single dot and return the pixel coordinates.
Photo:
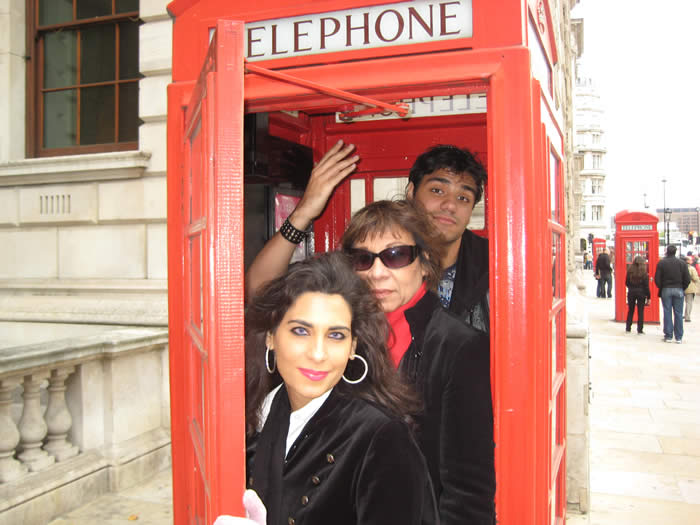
(205, 185)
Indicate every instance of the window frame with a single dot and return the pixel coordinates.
(34, 80)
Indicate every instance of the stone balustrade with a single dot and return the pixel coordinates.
(92, 407)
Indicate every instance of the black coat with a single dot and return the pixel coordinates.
(470, 294)
(602, 265)
(671, 272)
(448, 362)
(352, 464)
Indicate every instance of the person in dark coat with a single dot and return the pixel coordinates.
(638, 294)
(393, 247)
(447, 182)
(603, 269)
(328, 416)
(672, 278)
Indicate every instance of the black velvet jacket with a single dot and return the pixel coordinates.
(470, 294)
(449, 364)
(352, 464)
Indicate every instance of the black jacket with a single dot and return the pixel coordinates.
(640, 289)
(470, 294)
(352, 464)
(671, 272)
(602, 265)
(449, 364)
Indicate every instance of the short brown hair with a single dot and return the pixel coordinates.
(388, 216)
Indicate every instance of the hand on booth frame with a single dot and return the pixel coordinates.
(255, 511)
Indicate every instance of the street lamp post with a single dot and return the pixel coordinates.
(667, 235)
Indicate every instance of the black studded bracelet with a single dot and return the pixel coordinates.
(291, 233)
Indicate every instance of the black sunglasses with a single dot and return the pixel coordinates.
(393, 257)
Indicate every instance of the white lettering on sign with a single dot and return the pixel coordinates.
(361, 28)
(636, 227)
(435, 106)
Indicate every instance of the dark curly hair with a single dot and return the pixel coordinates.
(453, 159)
(387, 216)
(638, 270)
(329, 273)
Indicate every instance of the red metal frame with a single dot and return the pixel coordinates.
(205, 205)
(626, 223)
(495, 59)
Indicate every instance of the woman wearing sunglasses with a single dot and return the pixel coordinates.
(327, 414)
(392, 245)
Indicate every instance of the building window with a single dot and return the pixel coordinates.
(596, 138)
(83, 78)
(597, 213)
(596, 185)
(597, 157)
(583, 213)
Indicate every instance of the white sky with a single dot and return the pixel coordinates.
(644, 59)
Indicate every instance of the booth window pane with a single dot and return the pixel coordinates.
(554, 186)
(357, 194)
(390, 188)
(556, 262)
(478, 220)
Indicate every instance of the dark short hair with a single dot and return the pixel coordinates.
(388, 216)
(332, 274)
(670, 250)
(455, 160)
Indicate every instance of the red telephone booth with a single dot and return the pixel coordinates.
(635, 234)
(598, 245)
(475, 73)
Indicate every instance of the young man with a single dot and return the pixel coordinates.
(604, 270)
(672, 278)
(446, 181)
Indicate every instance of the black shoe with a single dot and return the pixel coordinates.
(640, 332)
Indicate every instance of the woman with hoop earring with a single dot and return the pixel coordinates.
(328, 417)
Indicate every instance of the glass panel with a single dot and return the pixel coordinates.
(128, 50)
(478, 220)
(126, 6)
(389, 188)
(554, 185)
(97, 54)
(92, 8)
(55, 11)
(60, 119)
(357, 194)
(554, 346)
(97, 115)
(556, 251)
(60, 59)
(128, 112)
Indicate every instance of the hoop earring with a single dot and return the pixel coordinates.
(355, 381)
(270, 369)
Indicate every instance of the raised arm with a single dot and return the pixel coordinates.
(273, 259)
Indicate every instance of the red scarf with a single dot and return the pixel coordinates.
(400, 335)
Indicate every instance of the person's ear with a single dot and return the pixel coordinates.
(410, 190)
(268, 339)
(353, 347)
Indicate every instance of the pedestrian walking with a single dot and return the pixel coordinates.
(692, 288)
(603, 271)
(638, 295)
(672, 278)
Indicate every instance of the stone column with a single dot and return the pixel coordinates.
(10, 468)
(32, 427)
(58, 418)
